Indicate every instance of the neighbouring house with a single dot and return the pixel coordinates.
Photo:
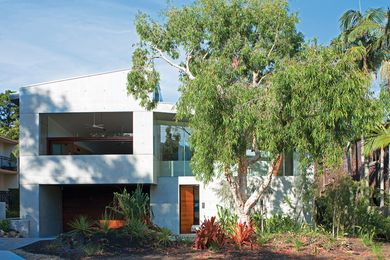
(9, 178)
(82, 139)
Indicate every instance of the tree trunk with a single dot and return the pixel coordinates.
(381, 178)
(238, 187)
(349, 159)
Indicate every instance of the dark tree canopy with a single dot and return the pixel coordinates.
(9, 115)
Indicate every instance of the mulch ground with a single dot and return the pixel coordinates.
(279, 247)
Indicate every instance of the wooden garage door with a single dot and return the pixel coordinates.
(186, 208)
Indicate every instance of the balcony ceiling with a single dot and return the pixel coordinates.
(80, 124)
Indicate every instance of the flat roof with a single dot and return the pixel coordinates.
(75, 77)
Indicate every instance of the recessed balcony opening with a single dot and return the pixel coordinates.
(86, 133)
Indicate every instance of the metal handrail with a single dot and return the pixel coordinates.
(7, 163)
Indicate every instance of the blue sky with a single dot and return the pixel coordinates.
(54, 39)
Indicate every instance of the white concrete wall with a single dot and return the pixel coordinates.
(164, 202)
(29, 207)
(98, 93)
(50, 211)
(86, 169)
(165, 199)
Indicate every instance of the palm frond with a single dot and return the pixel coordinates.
(376, 15)
(349, 20)
(357, 52)
(378, 138)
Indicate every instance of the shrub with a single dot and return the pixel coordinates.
(92, 249)
(81, 225)
(5, 225)
(209, 234)
(346, 208)
(281, 224)
(227, 220)
(104, 226)
(164, 237)
(137, 230)
(132, 206)
(242, 234)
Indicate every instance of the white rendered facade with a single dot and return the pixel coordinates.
(44, 176)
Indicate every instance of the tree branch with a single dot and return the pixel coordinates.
(254, 198)
(275, 41)
(186, 69)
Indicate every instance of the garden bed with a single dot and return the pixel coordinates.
(279, 246)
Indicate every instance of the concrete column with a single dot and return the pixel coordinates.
(143, 133)
(29, 207)
(50, 210)
(164, 202)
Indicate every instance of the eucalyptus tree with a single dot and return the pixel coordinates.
(243, 87)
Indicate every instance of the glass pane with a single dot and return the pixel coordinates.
(288, 164)
(56, 149)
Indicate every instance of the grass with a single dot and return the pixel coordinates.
(92, 249)
(264, 238)
(377, 250)
(298, 244)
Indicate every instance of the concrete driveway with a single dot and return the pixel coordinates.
(11, 243)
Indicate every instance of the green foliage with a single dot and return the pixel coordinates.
(226, 43)
(378, 138)
(298, 244)
(280, 224)
(131, 206)
(209, 234)
(81, 225)
(104, 226)
(345, 208)
(137, 229)
(324, 99)
(92, 249)
(227, 220)
(5, 225)
(249, 82)
(366, 31)
(164, 238)
(262, 238)
(9, 115)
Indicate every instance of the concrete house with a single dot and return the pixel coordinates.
(81, 139)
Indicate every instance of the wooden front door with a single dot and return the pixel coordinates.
(186, 208)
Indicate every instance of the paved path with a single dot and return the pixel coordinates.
(8, 255)
(11, 243)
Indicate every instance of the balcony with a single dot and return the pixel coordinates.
(96, 133)
(175, 168)
(8, 164)
(87, 169)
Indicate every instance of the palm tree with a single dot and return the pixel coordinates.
(364, 33)
(379, 139)
(368, 37)
(385, 68)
